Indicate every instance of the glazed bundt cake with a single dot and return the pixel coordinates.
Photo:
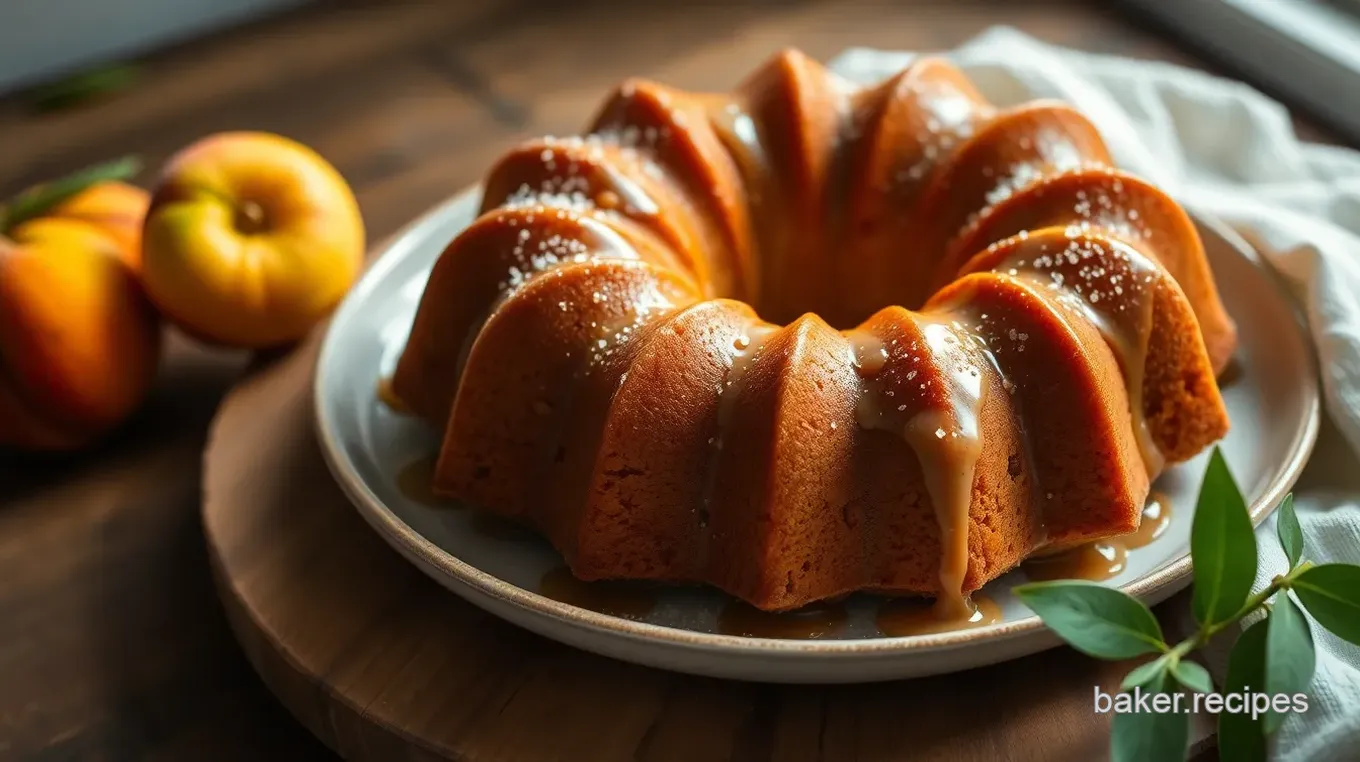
(810, 338)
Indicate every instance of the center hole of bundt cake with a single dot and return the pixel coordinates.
(842, 300)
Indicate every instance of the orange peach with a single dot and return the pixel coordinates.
(251, 239)
(116, 208)
(79, 340)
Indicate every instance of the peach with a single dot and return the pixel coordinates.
(79, 340)
(251, 239)
(116, 208)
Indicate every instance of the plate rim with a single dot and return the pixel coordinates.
(434, 560)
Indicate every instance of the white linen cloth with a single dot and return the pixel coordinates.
(1223, 148)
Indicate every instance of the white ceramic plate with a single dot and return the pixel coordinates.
(1273, 404)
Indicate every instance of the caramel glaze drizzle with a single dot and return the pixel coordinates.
(745, 351)
(1231, 374)
(946, 437)
(1112, 285)
(415, 481)
(1108, 283)
(388, 396)
(1094, 561)
(808, 623)
(902, 617)
(1097, 561)
(627, 600)
(494, 527)
(1157, 514)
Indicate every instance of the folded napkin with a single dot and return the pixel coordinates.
(1225, 149)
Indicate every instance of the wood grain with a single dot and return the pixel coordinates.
(112, 644)
(383, 664)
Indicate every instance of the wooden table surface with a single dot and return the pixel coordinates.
(112, 643)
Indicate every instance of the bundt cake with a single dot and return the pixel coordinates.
(810, 338)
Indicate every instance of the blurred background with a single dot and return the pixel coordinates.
(410, 99)
(107, 611)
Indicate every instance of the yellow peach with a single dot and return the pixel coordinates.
(250, 240)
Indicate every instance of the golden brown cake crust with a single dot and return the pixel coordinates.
(682, 346)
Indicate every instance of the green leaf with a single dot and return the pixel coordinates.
(38, 200)
(1239, 736)
(1222, 545)
(1331, 593)
(1097, 620)
(1146, 673)
(1192, 675)
(1289, 654)
(1140, 736)
(83, 86)
(1289, 531)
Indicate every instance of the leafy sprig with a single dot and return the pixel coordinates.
(1274, 655)
(40, 199)
(83, 86)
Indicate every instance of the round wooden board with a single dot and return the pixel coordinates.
(383, 664)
